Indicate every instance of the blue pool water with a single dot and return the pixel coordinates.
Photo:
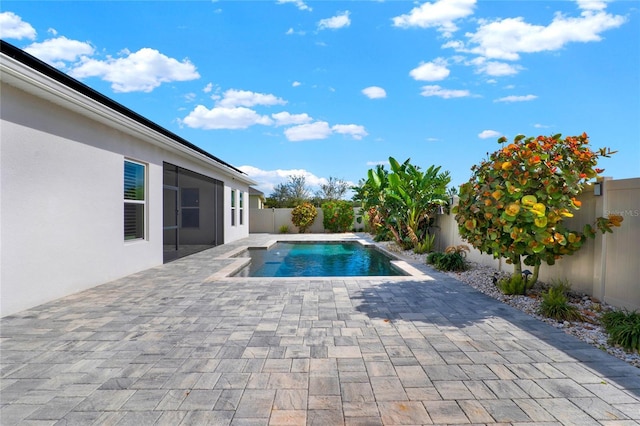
(318, 260)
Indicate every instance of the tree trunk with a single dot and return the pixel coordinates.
(517, 266)
(534, 277)
(413, 236)
(396, 236)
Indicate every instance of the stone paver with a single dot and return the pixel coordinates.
(183, 344)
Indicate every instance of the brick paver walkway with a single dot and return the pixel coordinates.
(173, 346)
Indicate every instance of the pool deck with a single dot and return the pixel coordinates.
(183, 343)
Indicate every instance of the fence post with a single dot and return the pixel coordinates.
(600, 247)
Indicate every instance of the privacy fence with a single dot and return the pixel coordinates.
(607, 267)
(271, 220)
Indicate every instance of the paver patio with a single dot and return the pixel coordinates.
(172, 345)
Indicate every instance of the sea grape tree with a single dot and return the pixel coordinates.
(515, 203)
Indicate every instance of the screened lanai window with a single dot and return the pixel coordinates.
(134, 200)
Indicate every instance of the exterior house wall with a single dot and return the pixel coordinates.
(236, 231)
(61, 198)
(255, 202)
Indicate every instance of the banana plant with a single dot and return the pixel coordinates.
(415, 195)
(402, 200)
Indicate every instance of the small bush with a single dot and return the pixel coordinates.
(613, 318)
(433, 258)
(512, 285)
(338, 216)
(555, 304)
(303, 216)
(623, 328)
(284, 229)
(426, 246)
(453, 262)
(461, 249)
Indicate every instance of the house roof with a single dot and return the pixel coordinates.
(51, 72)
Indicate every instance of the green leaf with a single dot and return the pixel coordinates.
(539, 248)
(395, 166)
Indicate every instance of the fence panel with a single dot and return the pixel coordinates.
(270, 220)
(621, 250)
(607, 267)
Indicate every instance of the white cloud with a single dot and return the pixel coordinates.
(291, 31)
(541, 126)
(224, 118)
(440, 14)
(507, 38)
(486, 134)
(233, 98)
(298, 3)
(374, 92)
(12, 26)
(321, 130)
(141, 71)
(592, 4)
(443, 93)
(356, 131)
(310, 131)
(296, 84)
(335, 22)
(514, 98)
(378, 163)
(57, 51)
(286, 119)
(495, 68)
(268, 179)
(208, 88)
(431, 71)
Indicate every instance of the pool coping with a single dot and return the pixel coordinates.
(228, 271)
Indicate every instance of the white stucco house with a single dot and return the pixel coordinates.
(91, 191)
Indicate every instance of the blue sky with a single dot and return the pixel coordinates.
(332, 88)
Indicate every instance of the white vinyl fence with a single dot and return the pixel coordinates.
(270, 220)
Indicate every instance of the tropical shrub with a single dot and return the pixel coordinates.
(453, 259)
(426, 246)
(512, 285)
(303, 216)
(515, 202)
(555, 304)
(403, 201)
(623, 328)
(284, 229)
(338, 216)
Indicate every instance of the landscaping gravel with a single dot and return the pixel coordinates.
(481, 278)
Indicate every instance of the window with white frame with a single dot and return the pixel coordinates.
(241, 206)
(134, 200)
(233, 207)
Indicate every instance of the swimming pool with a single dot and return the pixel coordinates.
(328, 259)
